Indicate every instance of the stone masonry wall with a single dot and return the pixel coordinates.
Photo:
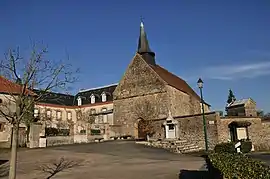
(191, 129)
(126, 113)
(182, 104)
(138, 80)
(259, 133)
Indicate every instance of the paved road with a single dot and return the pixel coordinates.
(110, 160)
(265, 157)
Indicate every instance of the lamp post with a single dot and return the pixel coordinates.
(200, 85)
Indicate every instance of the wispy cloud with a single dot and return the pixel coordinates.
(234, 72)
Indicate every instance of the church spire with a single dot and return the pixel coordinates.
(143, 47)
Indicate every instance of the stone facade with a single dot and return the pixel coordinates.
(141, 85)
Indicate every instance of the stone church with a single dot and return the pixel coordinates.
(149, 88)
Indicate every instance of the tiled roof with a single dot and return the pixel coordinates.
(174, 81)
(9, 87)
(238, 102)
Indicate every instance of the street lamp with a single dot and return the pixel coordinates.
(200, 85)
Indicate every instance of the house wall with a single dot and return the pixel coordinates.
(250, 109)
(8, 106)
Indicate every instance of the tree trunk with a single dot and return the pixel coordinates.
(13, 158)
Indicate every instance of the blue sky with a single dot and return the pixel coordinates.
(227, 43)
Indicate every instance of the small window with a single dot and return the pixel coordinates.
(36, 112)
(49, 113)
(2, 127)
(1, 101)
(79, 99)
(59, 114)
(93, 99)
(69, 116)
(171, 126)
(103, 97)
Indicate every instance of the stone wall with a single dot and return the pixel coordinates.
(191, 129)
(139, 79)
(59, 140)
(127, 114)
(253, 130)
(181, 103)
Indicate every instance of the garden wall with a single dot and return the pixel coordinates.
(59, 140)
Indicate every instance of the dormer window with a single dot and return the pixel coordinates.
(79, 99)
(103, 97)
(93, 99)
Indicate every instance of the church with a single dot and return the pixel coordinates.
(148, 86)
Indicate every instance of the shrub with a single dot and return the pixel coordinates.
(95, 132)
(239, 166)
(225, 148)
(246, 146)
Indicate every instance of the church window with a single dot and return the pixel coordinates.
(93, 99)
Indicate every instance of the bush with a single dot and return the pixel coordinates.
(239, 166)
(225, 148)
(95, 132)
(246, 146)
(51, 131)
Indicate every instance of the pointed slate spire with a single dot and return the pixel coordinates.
(143, 47)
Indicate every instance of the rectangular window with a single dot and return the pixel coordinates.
(35, 112)
(49, 113)
(2, 127)
(69, 116)
(58, 114)
(105, 116)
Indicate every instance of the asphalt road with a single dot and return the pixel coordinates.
(110, 160)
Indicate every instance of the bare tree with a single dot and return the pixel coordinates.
(58, 166)
(33, 72)
(146, 113)
(87, 117)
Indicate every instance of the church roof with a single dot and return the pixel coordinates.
(174, 81)
(9, 87)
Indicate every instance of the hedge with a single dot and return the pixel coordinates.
(239, 166)
(229, 147)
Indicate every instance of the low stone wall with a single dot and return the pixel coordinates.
(259, 133)
(191, 129)
(80, 138)
(59, 140)
(5, 144)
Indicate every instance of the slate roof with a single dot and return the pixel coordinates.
(174, 81)
(86, 94)
(9, 87)
(56, 98)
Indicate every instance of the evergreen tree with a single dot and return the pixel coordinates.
(231, 97)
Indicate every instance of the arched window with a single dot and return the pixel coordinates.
(103, 97)
(93, 99)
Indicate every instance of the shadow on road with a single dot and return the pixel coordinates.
(4, 168)
(194, 174)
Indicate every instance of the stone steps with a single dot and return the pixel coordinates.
(177, 146)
